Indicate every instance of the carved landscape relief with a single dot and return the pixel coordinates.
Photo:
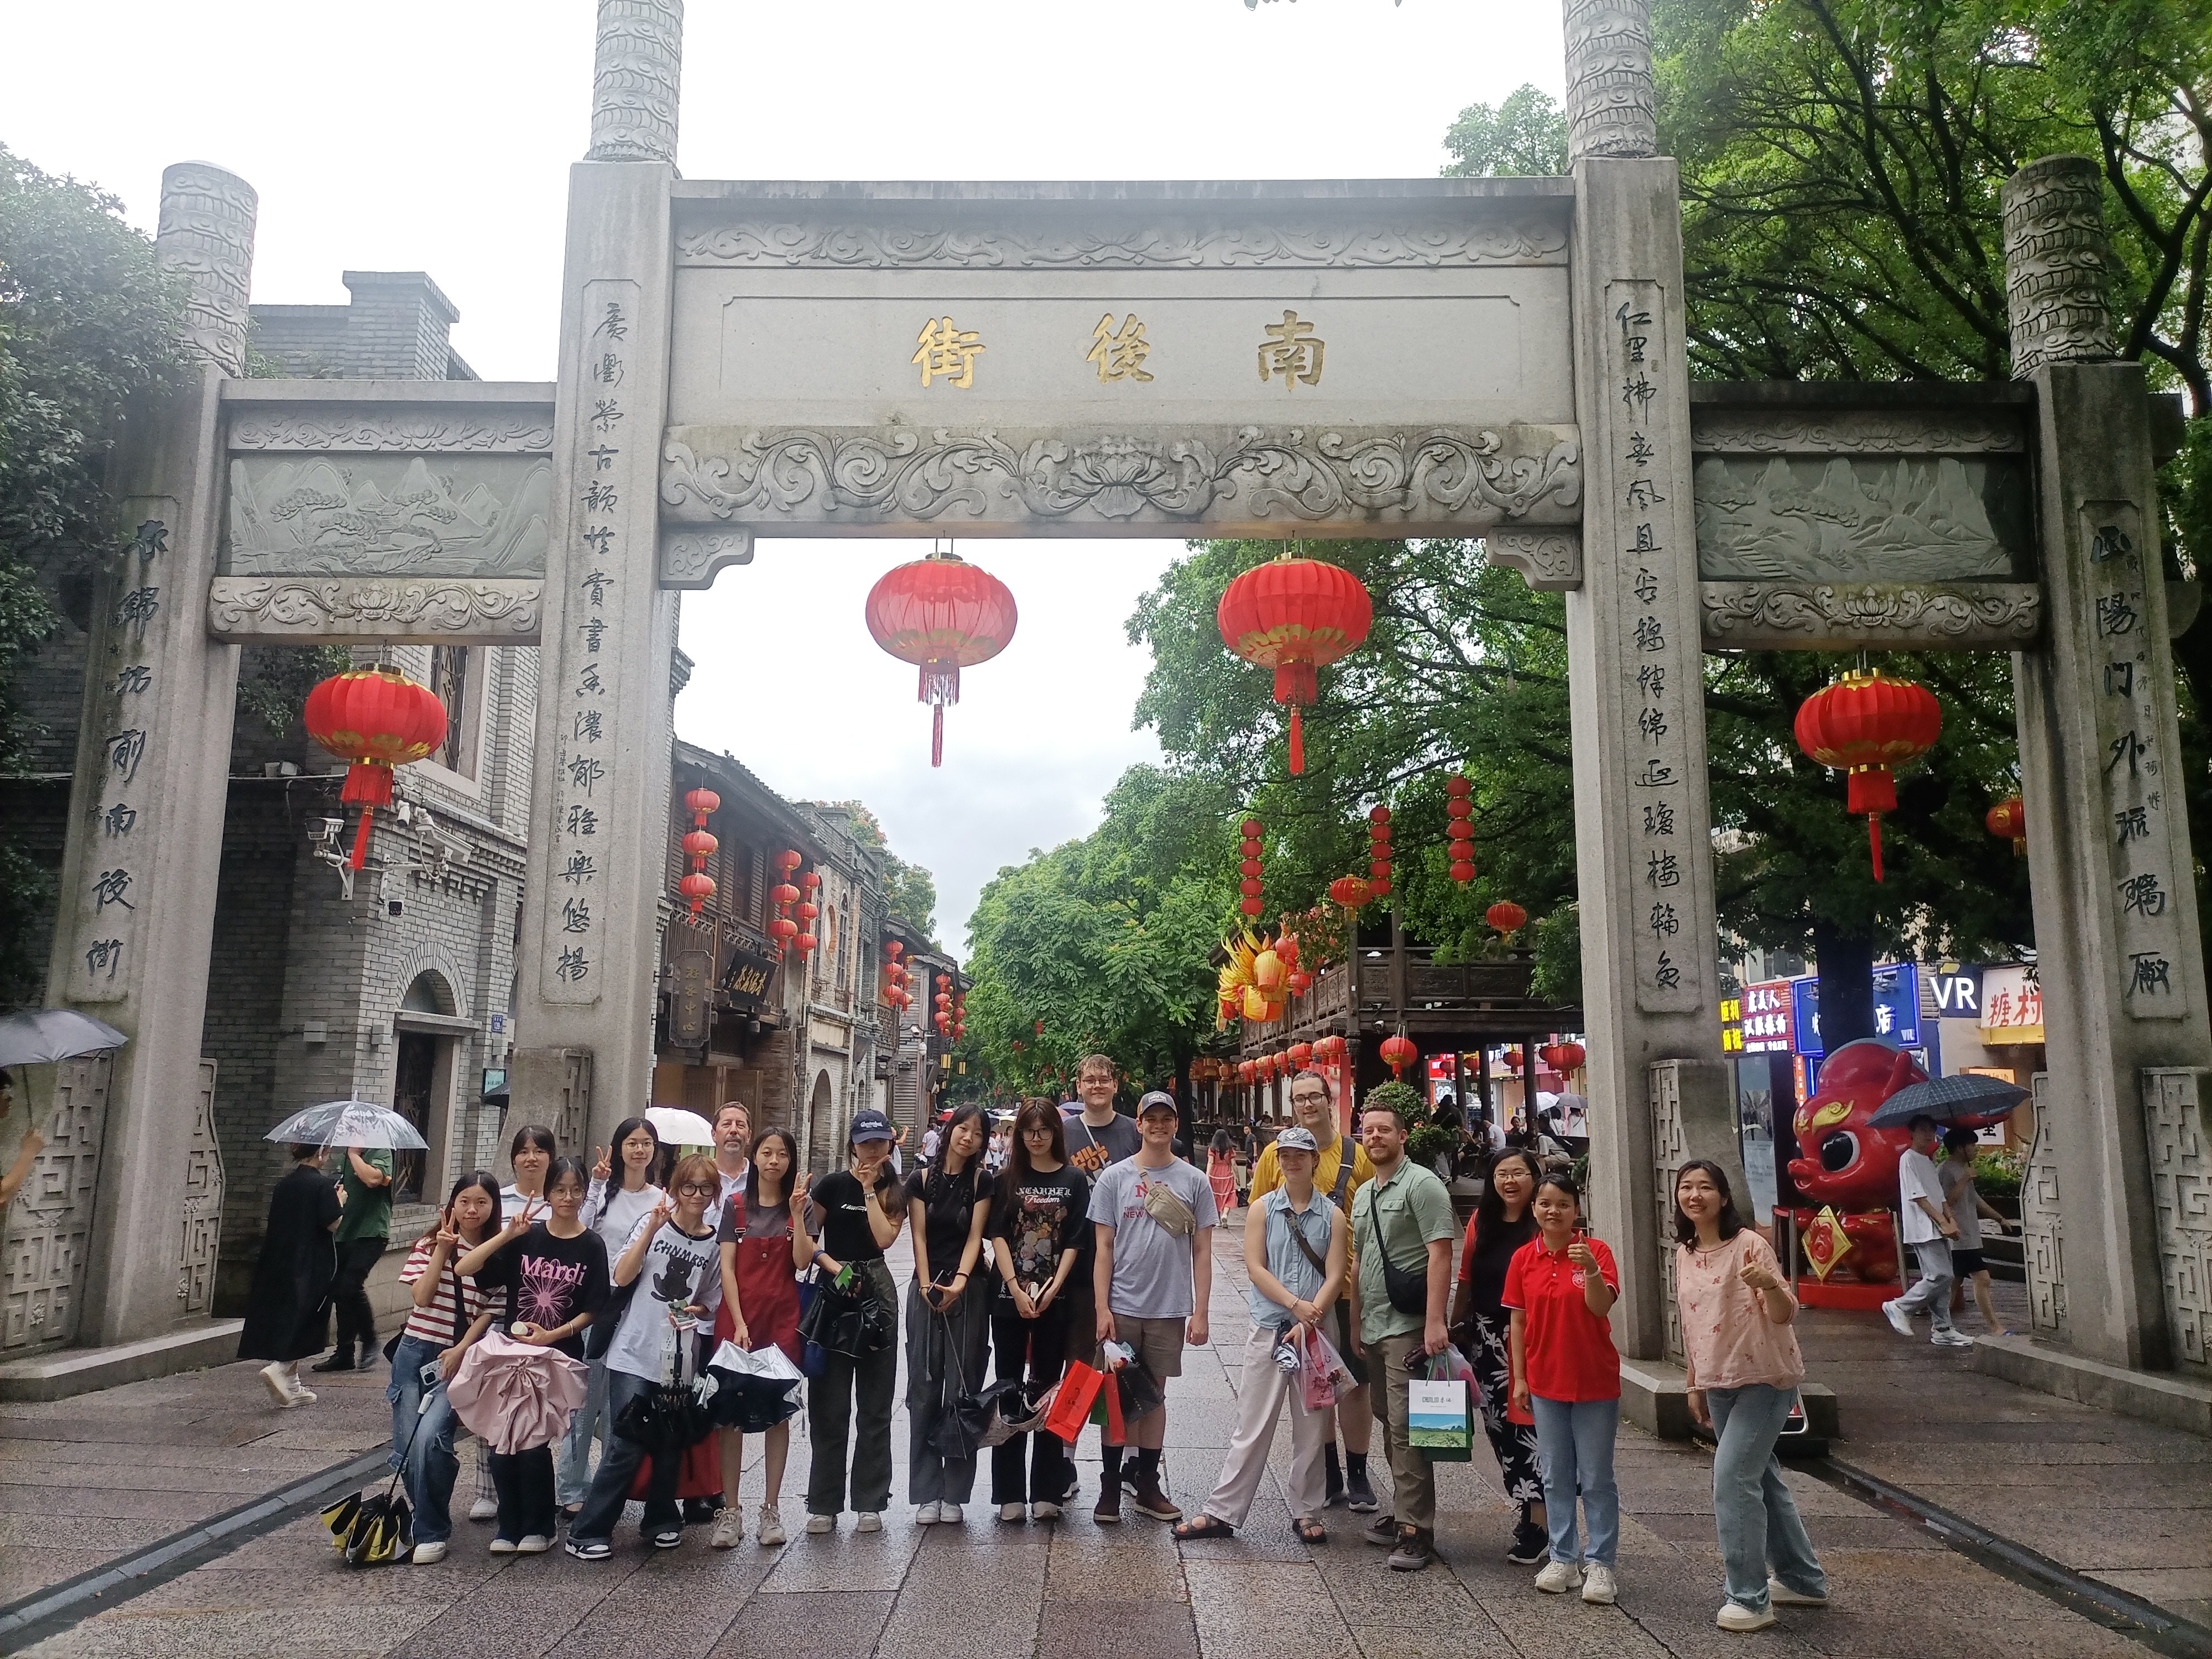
(446, 515)
(1845, 518)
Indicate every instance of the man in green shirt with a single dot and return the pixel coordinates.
(364, 1226)
(1404, 1215)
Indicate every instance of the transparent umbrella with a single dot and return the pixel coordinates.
(349, 1123)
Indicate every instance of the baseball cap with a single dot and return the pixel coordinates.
(870, 1125)
(1296, 1140)
(1157, 1100)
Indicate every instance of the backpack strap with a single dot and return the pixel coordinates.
(1344, 1160)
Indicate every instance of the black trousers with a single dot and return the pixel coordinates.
(524, 1481)
(356, 1319)
(1035, 1352)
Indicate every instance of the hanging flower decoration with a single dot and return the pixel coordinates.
(699, 846)
(942, 614)
(1506, 919)
(1297, 616)
(1248, 867)
(1398, 1052)
(1862, 726)
(374, 719)
(1459, 826)
(2008, 819)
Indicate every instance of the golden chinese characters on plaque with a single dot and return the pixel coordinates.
(947, 352)
(1292, 351)
(1120, 355)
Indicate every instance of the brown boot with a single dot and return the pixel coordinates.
(1109, 1511)
(1151, 1501)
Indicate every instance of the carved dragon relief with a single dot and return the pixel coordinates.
(340, 608)
(1885, 616)
(1455, 476)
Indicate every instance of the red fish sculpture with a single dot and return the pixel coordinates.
(1848, 1164)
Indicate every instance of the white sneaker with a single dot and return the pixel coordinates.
(1044, 1511)
(1782, 1596)
(770, 1530)
(303, 1396)
(729, 1528)
(1012, 1512)
(821, 1524)
(502, 1546)
(870, 1521)
(426, 1555)
(1952, 1340)
(1899, 1321)
(949, 1514)
(484, 1509)
(536, 1543)
(925, 1514)
(1600, 1587)
(279, 1385)
(1558, 1577)
(1736, 1617)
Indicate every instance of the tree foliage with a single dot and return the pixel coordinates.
(1525, 136)
(911, 890)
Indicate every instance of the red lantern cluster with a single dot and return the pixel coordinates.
(942, 614)
(806, 910)
(1459, 826)
(2008, 820)
(960, 1014)
(1378, 852)
(1248, 867)
(1862, 726)
(1565, 1058)
(783, 895)
(1296, 617)
(1331, 1049)
(1398, 1053)
(897, 976)
(699, 846)
(374, 718)
(1506, 919)
(944, 1005)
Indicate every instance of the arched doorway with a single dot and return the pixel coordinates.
(422, 1085)
(822, 1127)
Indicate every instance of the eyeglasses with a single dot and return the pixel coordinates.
(699, 1189)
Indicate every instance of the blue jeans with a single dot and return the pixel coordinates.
(1752, 1505)
(1576, 1438)
(572, 1471)
(618, 1461)
(428, 1466)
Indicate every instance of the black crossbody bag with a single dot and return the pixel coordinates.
(1408, 1289)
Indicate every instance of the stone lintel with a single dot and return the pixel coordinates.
(376, 610)
(1550, 561)
(1786, 615)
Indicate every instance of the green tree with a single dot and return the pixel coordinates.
(1526, 136)
(911, 890)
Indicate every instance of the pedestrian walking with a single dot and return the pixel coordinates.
(288, 1311)
(1297, 1244)
(1561, 1287)
(1928, 1230)
(1096, 1138)
(1152, 1216)
(1340, 1170)
(363, 1231)
(855, 1215)
(1221, 1171)
(448, 1313)
(1401, 1232)
(765, 1246)
(1039, 1222)
(612, 1209)
(1969, 1209)
(1502, 1223)
(553, 1270)
(674, 1262)
(948, 1325)
(1741, 1366)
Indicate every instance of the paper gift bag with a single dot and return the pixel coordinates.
(1071, 1407)
(1437, 1422)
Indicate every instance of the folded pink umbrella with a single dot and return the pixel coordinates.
(513, 1396)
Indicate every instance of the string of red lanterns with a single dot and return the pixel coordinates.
(1459, 826)
(1378, 852)
(944, 1001)
(783, 895)
(897, 975)
(699, 846)
(803, 941)
(1249, 867)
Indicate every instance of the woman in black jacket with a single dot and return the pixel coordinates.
(288, 1316)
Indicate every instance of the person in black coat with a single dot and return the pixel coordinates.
(287, 1318)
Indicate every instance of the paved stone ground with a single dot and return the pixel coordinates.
(1073, 1591)
(2116, 1499)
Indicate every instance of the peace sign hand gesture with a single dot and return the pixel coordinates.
(662, 1211)
(524, 1219)
(602, 1168)
(797, 1193)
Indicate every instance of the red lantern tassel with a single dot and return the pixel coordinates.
(1874, 841)
(940, 684)
(361, 838)
(937, 737)
(1872, 790)
(1298, 743)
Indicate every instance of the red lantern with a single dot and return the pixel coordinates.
(375, 718)
(810, 881)
(894, 949)
(1571, 1056)
(699, 843)
(1301, 982)
(802, 942)
(1398, 1052)
(698, 887)
(1296, 617)
(1301, 1055)
(782, 930)
(1507, 918)
(700, 803)
(1864, 724)
(2008, 818)
(941, 614)
(1350, 891)
(787, 861)
(784, 894)
(806, 913)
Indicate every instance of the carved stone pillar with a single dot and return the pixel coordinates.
(2110, 861)
(2042, 1227)
(136, 910)
(1643, 841)
(636, 71)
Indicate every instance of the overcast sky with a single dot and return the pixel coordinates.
(436, 136)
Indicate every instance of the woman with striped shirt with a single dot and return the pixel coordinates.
(450, 1313)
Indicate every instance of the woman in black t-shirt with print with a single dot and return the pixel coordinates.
(1500, 1226)
(1038, 1223)
(948, 1310)
(856, 1214)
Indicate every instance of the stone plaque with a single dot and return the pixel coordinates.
(481, 515)
(1863, 519)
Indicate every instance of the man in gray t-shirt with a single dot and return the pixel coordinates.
(1154, 1217)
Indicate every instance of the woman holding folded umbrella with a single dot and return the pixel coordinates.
(948, 1325)
(450, 1313)
(765, 1246)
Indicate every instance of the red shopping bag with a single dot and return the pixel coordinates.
(1071, 1407)
(1117, 1427)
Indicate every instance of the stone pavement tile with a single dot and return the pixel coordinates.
(2093, 1541)
(23, 1570)
(800, 1624)
(956, 1602)
(845, 1560)
(1109, 1627)
(1367, 1592)
(35, 1529)
(526, 1610)
(2121, 1488)
(2166, 1586)
(1089, 1564)
(226, 1481)
(333, 1587)
(1867, 1530)
(1245, 1607)
(1564, 1627)
(177, 1508)
(677, 1601)
(1944, 1633)
(1476, 1638)
(276, 1634)
(304, 1545)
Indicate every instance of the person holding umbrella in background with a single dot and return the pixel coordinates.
(41, 1037)
(1929, 1229)
(364, 1231)
(1969, 1209)
(27, 1152)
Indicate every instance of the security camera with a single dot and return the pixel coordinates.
(395, 907)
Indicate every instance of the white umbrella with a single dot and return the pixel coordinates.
(677, 1128)
(349, 1123)
(40, 1036)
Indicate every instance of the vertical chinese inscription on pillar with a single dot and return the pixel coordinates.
(1654, 681)
(111, 885)
(2138, 775)
(588, 766)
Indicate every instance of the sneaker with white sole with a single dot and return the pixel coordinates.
(503, 1546)
(303, 1396)
(770, 1530)
(484, 1509)
(426, 1555)
(1013, 1514)
(536, 1543)
(1899, 1321)
(1044, 1511)
(1782, 1596)
(925, 1515)
(1952, 1340)
(1382, 1529)
(729, 1528)
(590, 1549)
(1600, 1587)
(1734, 1616)
(668, 1539)
(1558, 1577)
(820, 1523)
(870, 1521)
(948, 1515)
(278, 1384)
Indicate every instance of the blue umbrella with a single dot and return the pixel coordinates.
(1949, 1100)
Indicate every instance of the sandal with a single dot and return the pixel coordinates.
(1205, 1526)
(1309, 1531)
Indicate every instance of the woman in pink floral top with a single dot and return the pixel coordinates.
(1743, 1371)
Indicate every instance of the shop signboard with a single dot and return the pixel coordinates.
(1896, 1009)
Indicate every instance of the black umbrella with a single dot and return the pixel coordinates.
(1960, 1099)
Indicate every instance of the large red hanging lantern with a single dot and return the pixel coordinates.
(1864, 724)
(1297, 616)
(2008, 819)
(1301, 1055)
(1398, 1052)
(1506, 919)
(941, 614)
(375, 718)
(1350, 891)
(1459, 826)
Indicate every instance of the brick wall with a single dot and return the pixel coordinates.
(395, 327)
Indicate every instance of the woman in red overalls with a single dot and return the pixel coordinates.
(765, 1246)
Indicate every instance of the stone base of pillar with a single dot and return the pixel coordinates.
(64, 1373)
(2164, 1397)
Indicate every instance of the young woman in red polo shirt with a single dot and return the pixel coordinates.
(1559, 1288)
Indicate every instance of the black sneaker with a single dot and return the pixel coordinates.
(701, 1511)
(1358, 1495)
(1331, 1479)
(591, 1549)
(1530, 1545)
(340, 1359)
